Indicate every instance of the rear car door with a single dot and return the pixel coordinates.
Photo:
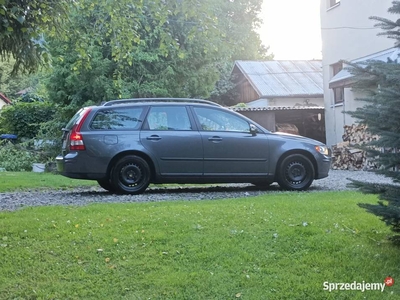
(229, 147)
(168, 135)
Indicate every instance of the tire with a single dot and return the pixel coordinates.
(131, 175)
(296, 173)
(106, 184)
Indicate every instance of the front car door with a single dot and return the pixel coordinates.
(229, 147)
(168, 135)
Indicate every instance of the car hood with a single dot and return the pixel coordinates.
(299, 138)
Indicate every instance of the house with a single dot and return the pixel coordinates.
(282, 94)
(4, 100)
(348, 35)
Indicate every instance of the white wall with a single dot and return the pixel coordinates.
(347, 34)
(2, 103)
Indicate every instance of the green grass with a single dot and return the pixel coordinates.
(11, 181)
(276, 246)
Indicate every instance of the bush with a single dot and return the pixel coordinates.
(16, 157)
(24, 119)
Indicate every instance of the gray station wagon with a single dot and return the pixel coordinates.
(127, 144)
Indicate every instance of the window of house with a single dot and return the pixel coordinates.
(338, 93)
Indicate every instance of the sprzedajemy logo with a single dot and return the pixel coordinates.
(358, 286)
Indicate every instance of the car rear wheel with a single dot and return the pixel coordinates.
(106, 184)
(131, 175)
(296, 172)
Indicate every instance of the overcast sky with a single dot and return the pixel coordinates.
(292, 28)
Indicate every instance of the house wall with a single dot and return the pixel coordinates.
(2, 103)
(347, 34)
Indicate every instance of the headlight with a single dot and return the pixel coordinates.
(322, 149)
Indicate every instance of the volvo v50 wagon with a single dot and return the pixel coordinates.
(127, 144)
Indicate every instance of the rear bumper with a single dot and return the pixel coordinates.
(75, 165)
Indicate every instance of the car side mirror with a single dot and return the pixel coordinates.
(253, 130)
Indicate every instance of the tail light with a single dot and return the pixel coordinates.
(75, 137)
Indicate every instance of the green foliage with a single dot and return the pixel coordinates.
(16, 157)
(22, 25)
(176, 51)
(379, 83)
(24, 119)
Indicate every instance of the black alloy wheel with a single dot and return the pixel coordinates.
(296, 172)
(131, 175)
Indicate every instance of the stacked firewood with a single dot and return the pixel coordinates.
(348, 155)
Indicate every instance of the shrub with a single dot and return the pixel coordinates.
(24, 119)
(16, 157)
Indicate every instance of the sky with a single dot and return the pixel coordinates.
(292, 29)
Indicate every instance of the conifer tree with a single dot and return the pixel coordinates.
(379, 82)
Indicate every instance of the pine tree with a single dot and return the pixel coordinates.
(379, 82)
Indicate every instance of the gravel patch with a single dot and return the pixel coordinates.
(337, 181)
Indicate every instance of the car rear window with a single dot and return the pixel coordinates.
(117, 119)
(75, 118)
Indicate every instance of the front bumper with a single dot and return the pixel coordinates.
(324, 165)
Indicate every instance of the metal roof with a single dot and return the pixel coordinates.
(284, 78)
(241, 108)
(342, 78)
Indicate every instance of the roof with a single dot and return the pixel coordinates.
(344, 77)
(240, 108)
(284, 78)
(5, 99)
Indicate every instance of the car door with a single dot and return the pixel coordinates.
(229, 147)
(168, 135)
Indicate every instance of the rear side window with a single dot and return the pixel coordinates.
(118, 119)
(168, 118)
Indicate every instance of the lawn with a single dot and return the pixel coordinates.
(276, 246)
(10, 181)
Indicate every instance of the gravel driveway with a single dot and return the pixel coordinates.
(337, 180)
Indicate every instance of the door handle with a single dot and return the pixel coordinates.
(153, 138)
(215, 139)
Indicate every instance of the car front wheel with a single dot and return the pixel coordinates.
(296, 172)
(131, 175)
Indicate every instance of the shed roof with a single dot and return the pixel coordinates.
(5, 99)
(284, 78)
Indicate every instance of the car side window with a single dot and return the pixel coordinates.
(168, 118)
(117, 118)
(216, 120)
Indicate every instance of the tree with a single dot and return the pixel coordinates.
(22, 28)
(379, 82)
(176, 52)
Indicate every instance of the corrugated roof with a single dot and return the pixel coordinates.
(284, 78)
(240, 108)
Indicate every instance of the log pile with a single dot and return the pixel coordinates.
(348, 155)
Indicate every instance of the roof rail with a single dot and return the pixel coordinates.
(139, 100)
